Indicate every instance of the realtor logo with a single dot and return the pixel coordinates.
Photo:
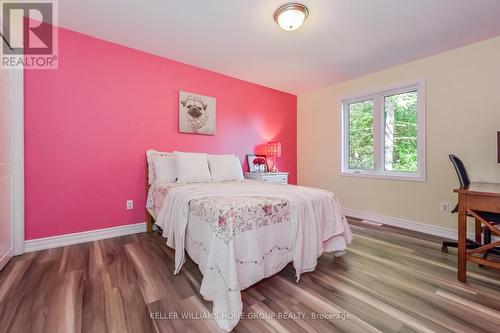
(29, 33)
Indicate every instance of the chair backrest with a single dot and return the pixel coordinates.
(463, 177)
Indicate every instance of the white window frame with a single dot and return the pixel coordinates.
(379, 133)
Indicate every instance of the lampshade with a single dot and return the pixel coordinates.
(274, 149)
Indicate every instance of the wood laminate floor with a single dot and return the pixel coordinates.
(390, 280)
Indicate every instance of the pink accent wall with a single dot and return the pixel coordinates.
(89, 123)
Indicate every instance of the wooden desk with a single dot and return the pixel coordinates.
(476, 197)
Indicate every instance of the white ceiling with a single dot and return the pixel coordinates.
(341, 39)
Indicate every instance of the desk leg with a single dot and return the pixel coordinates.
(462, 235)
(477, 231)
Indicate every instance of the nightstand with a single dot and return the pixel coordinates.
(268, 177)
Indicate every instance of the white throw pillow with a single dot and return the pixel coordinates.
(225, 168)
(161, 167)
(239, 169)
(192, 167)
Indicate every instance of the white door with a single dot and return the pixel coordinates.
(6, 222)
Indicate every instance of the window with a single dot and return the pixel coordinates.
(384, 134)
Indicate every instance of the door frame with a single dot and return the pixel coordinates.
(18, 161)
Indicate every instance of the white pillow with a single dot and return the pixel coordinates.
(239, 169)
(161, 167)
(192, 167)
(225, 168)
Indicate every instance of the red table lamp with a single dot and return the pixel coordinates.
(274, 150)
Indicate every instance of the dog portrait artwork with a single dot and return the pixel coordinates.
(196, 113)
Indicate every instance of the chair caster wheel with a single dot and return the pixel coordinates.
(444, 249)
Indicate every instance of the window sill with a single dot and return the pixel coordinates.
(391, 176)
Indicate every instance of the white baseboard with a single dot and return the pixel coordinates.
(406, 224)
(82, 237)
(5, 258)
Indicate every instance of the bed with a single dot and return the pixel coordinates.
(240, 232)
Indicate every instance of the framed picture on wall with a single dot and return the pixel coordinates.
(257, 163)
(196, 113)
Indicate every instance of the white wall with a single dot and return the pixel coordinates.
(6, 248)
(463, 117)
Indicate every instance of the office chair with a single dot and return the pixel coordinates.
(492, 218)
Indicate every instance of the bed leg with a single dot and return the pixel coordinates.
(149, 223)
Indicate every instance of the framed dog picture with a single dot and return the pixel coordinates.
(257, 163)
(196, 113)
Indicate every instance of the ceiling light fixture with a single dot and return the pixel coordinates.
(291, 16)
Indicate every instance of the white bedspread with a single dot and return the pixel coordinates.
(316, 224)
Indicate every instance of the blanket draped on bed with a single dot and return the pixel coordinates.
(316, 221)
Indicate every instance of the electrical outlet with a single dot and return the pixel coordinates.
(445, 207)
(130, 204)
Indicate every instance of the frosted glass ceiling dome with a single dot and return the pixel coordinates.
(291, 16)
